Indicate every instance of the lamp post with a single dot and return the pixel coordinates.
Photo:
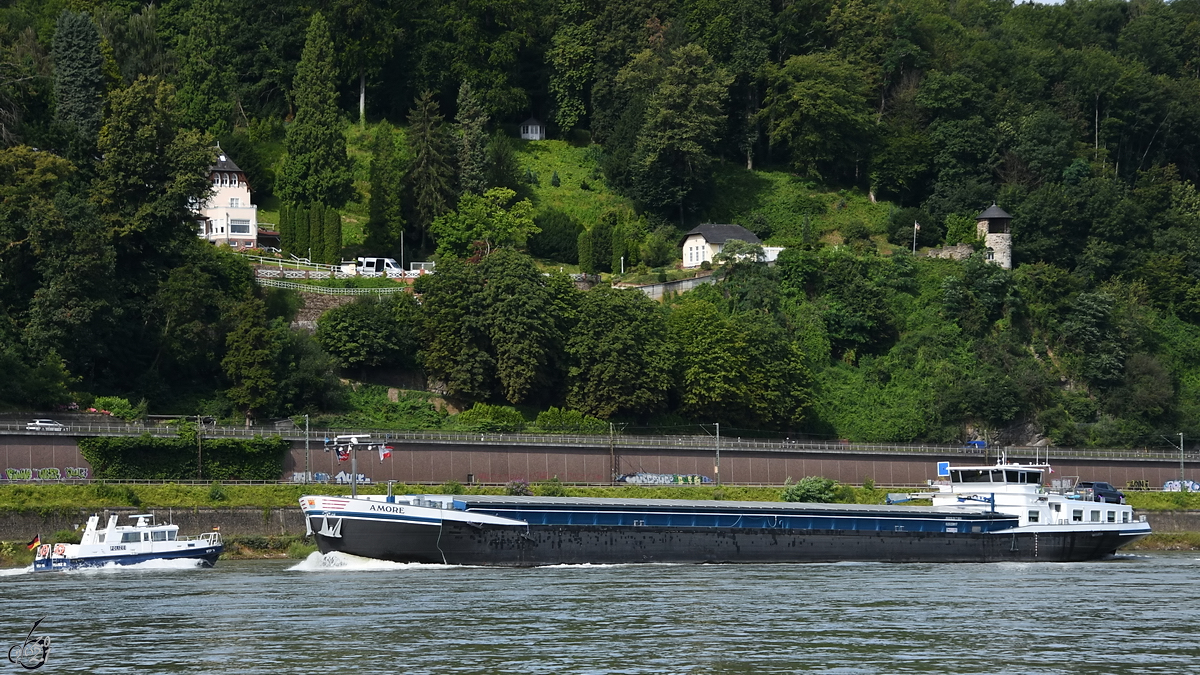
(307, 454)
(199, 446)
(1181, 488)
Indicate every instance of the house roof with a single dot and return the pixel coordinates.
(224, 163)
(715, 233)
(531, 120)
(992, 212)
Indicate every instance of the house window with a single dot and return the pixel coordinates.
(991, 255)
(239, 226)
(235, 202)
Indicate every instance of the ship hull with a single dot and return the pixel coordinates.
(460, 543)
(207, 558)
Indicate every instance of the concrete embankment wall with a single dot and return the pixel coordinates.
(21, 526)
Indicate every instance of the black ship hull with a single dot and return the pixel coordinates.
(460, 543)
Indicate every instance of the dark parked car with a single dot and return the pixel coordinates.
(1101, 492)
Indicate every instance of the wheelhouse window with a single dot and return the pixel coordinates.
(1033, 516)
(160, 535)
(128, 537)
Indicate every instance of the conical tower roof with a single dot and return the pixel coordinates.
(993, 212)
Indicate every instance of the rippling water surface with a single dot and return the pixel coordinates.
(1135, 614)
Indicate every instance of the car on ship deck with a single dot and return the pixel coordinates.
(1096, 491)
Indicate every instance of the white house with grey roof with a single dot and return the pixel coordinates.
(228, 217)
(705, 241)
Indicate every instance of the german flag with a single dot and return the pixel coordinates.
(37, 540)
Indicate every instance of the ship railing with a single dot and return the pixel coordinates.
(208, 538)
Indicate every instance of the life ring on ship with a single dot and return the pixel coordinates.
(60, 549)
(43, 550)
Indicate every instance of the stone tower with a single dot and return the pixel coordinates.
(992, 226)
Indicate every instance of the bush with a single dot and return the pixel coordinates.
(451, 487)
(562, 420)
(216, 493)
(518, 488)
(67, 537)
(120, 407)
(554, 181)
(299, 550)
(486, 417)
(706, 265)
(551, 488)
(811, 489)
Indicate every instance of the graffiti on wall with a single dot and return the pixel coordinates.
(49, 473)
(342, 478)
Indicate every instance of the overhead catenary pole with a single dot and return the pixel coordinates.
(307, 452)
(199, 446)
(717, 468)
(916, 228)
(1181, 461)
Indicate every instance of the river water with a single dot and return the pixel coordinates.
(337, 614)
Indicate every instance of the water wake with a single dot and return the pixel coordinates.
(335, 560)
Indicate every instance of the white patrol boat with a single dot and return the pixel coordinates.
(127, 545)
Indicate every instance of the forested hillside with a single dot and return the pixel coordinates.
(829, 127)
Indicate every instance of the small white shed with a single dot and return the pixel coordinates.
(533, 130)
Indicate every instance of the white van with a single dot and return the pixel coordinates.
(372, 267)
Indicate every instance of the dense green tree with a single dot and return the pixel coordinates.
(472, 142)
(206, 79)
(710, 361)
(620, 360)
(816, 108)
(385, 224)
(673, 156)
(557, 237)
(78, 76)
(455, 350)
(524, 334)
(250, 358)
(152, 171)
(367, 333)
(315, 167)
(487, 221)
(570, 58)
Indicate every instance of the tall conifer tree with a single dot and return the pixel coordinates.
(333, 236)
(386, 223)
(78, 76)
(472, 142)
(315, 165)
(429, 173)
(316, 232)
(300, 231)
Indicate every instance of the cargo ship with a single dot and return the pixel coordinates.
(978, 514)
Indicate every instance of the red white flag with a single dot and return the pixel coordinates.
(385, 451)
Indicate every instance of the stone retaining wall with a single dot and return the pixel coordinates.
(233, 522)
